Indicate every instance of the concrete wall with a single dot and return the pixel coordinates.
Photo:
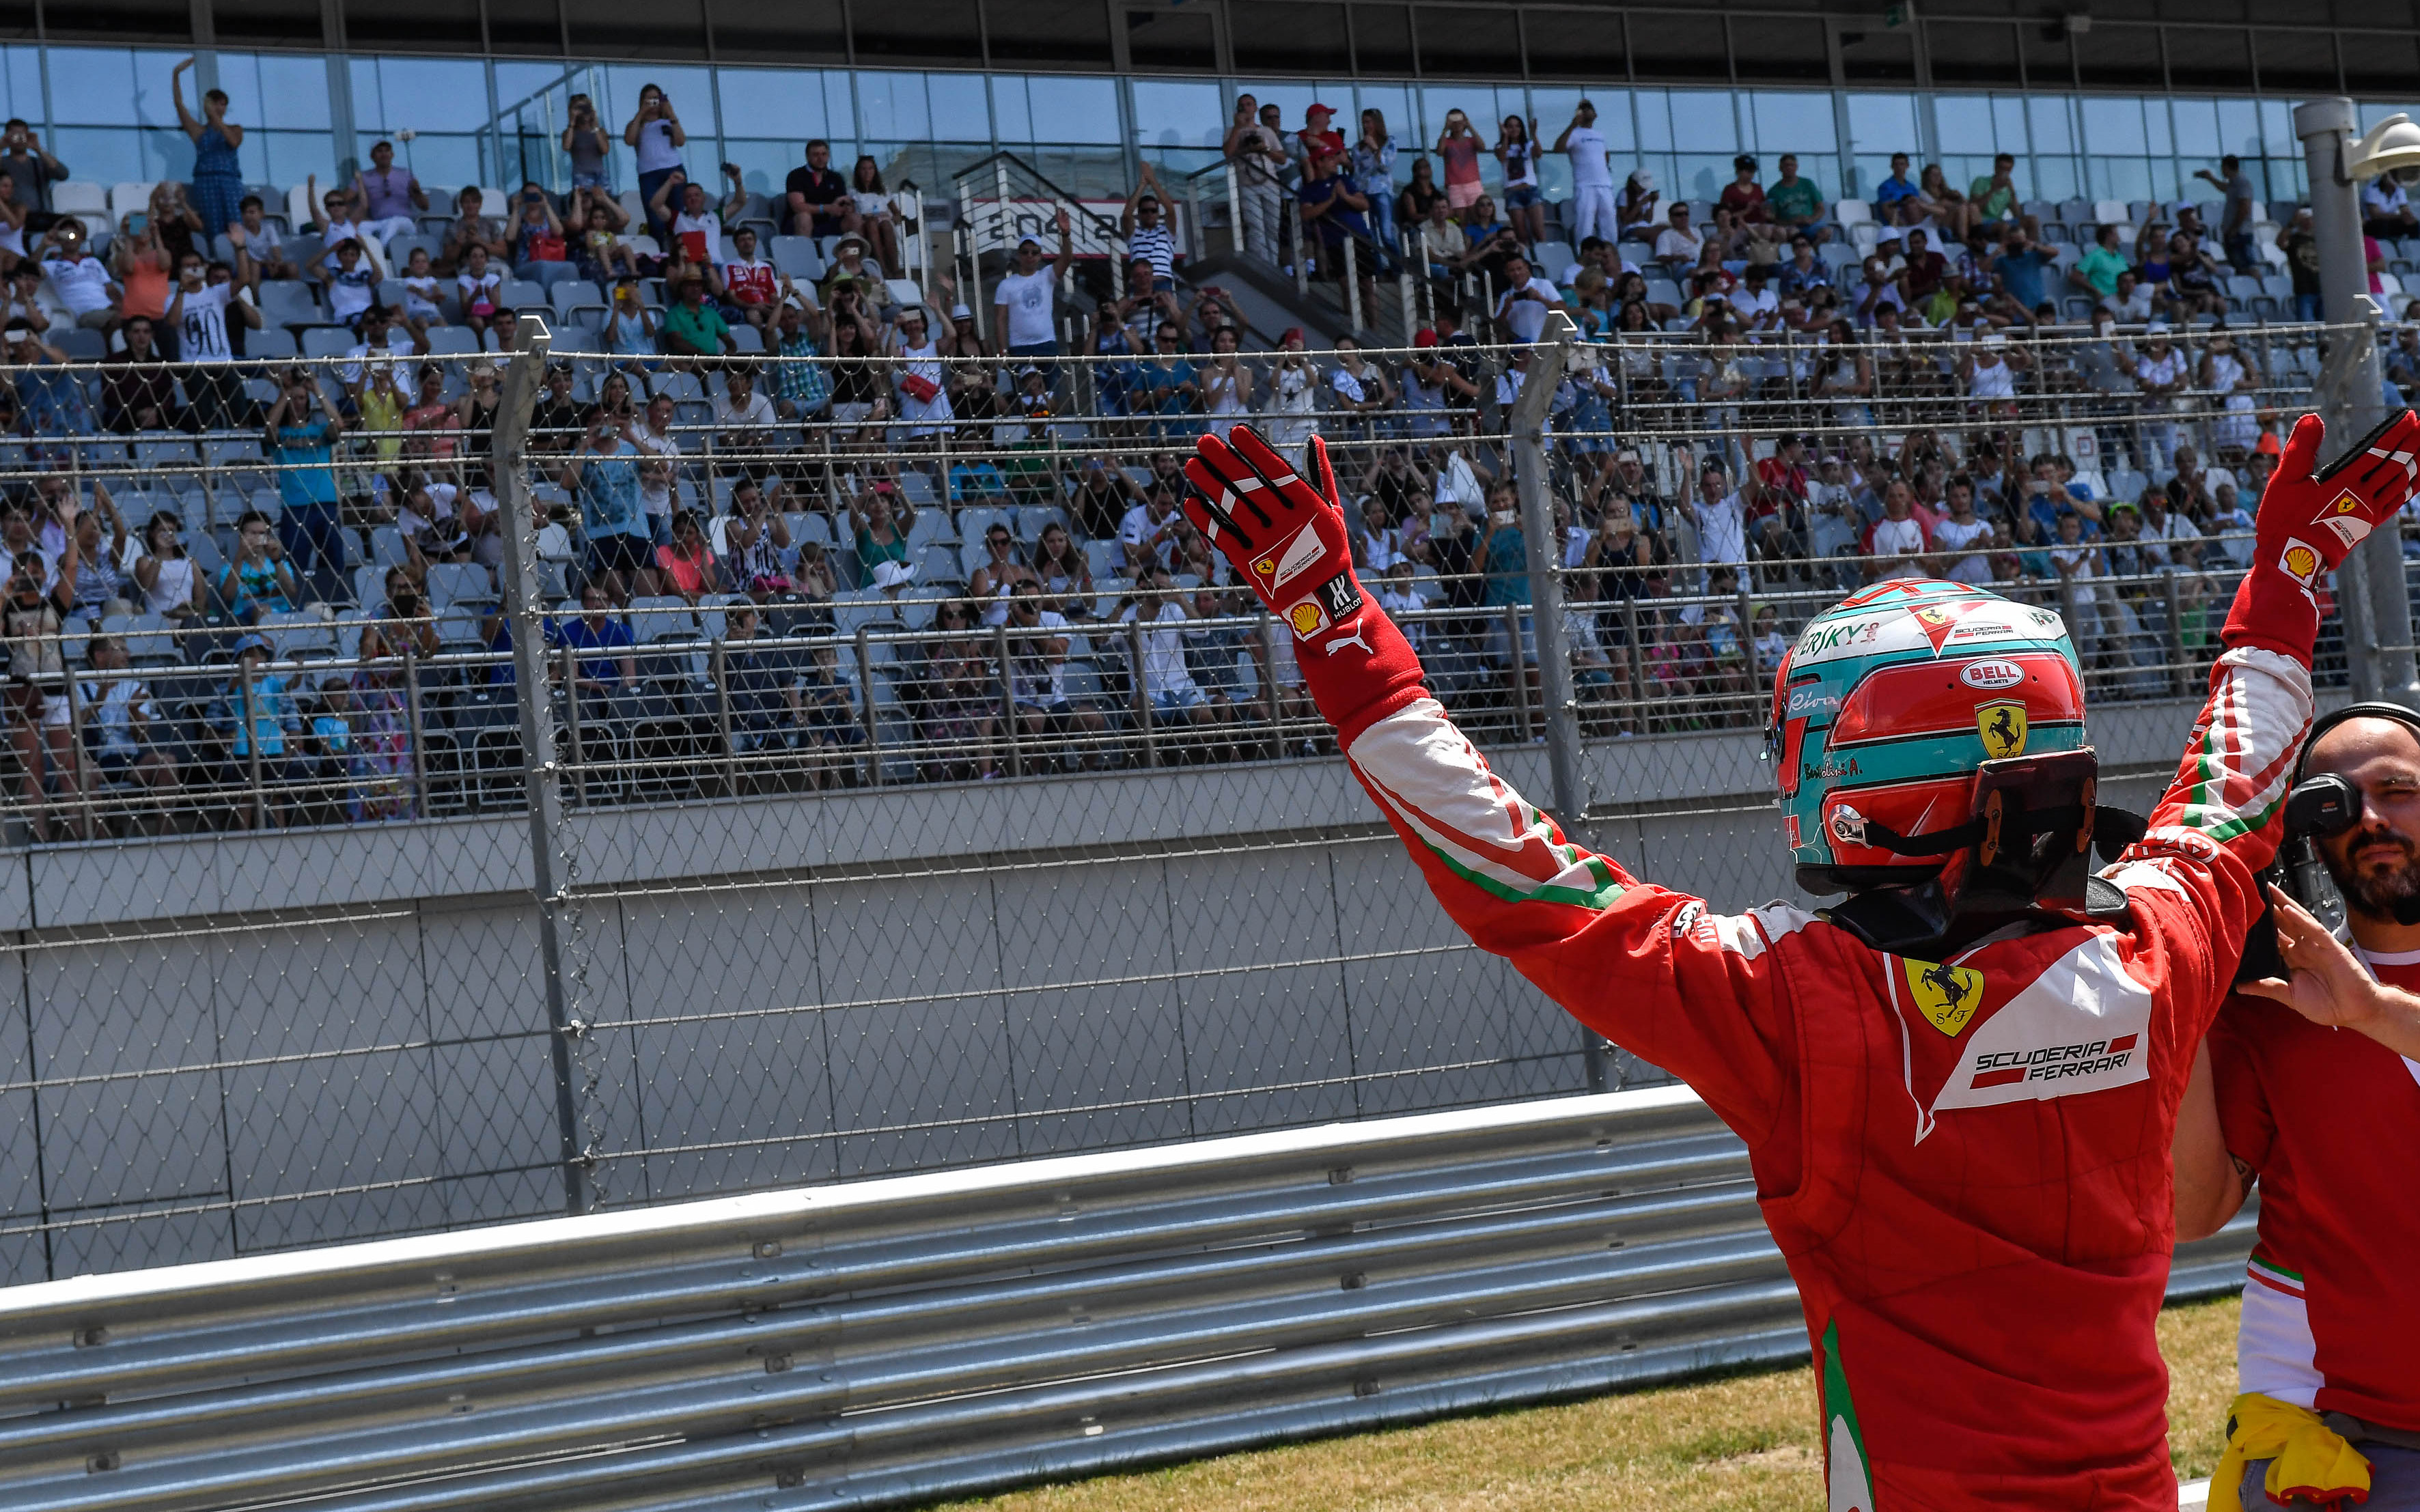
(245, 1042)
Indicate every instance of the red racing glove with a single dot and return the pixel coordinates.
(2307, 523)
(1285, 536)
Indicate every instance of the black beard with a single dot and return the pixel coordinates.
(2377, 894)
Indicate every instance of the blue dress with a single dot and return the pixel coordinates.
(218, 182)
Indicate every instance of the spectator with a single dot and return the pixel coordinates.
(170, 581)
(218, 181)
(1148, 240)
(390, 197)
(1025, 308)
(541, 251)
(121, 722)
(1457, 147)
(656, 135)
(603, 473)
(819, 197)
(302, 444)
(1318, 133)
(604, 661)
(1895, 197)
(687, 565)
(1166, 679)
(81, 282)
(335, 214)
(472, 228)
(23, 158)
(352, 284)
(257, 579)
(2235, 222)
(1523, 307)
(1744, 197)
(595, 224)
(1332, 214)
(137, 393)
(750, 283)
(1795, 204)
(1442, 241)
(1993, 199)
(1524, 205)
(1634, 210)
(1677, 246)
(693, 328)
(586, 145)
(141, 267)
(1373, 177)
(2019, 270)
(1259, 157)
(1943, 206)
(41, 727)
(2096, 272)
(2301, 250)
(50, 397)
(2386, 210)
(877, 221)
(1592, 208)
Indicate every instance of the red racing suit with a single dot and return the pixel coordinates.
(1964, 1162)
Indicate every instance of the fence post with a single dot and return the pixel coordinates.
(252, 744)
(1352, 281)
(1301, 272)
(866, 703)
(1527, 423)
(2179, 675)
(542, 774)
(414, 731)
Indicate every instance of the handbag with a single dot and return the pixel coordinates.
(547, 249)
(920, 387)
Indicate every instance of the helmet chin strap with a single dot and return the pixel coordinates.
(2024, 884)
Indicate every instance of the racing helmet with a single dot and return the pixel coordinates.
(1885, 708)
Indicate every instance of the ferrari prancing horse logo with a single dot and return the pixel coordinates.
(2001, 725)
(1946, 995)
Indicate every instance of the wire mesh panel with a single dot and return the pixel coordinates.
(612, 779)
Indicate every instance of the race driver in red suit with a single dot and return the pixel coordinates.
(1958, 1102)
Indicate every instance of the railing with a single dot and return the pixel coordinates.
(899, 1341)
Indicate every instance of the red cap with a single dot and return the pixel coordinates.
(2268, 443)
(1318, 110)
(1424, 337)
(1291, 333)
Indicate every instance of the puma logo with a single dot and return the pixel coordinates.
(1339, 642)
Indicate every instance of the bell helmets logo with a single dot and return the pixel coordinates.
(1991, 676)
(2299, 562)
(2001, 725)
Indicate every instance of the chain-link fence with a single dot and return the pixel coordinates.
(614, 779)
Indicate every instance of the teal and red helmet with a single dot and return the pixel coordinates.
(1885, 707)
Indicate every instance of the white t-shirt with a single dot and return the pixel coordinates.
(364, 357)
(2384, 198)
(1585, 147)
(1029, 301)
(1674, 245)
(1749, 302)
(656, 149)
(420, 296)
(708, 225)
(1722, 530)
(83, 284)
(1898, 537)
(1950, 535)
(201, 329)
(1528, 317)
(1137, 527)
(481, 287)
(1163, 651)
(655, 484)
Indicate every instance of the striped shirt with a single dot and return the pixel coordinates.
(1155, 243)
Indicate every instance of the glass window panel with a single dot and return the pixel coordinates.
(1289, 36)
(1867, 171)
(2194, 123)
(1613, 119)
(1169, 114)
(795, 31)
(1972, 52)
(961, 110)
(1799, 121)
(1063, 32)
(369, 101)
(1780, 48)
(1678, 46)
(279, 91)
(2210, 58)
(2278, 130)
(2156, 132)
(165, 154)
(1010, 117)
(764, 165)
(1382, 39)
(105, 155)
(433, 95)
(773, 102)
(449, 159)
(917, 31)
(1699, 178)
(152, 104)
(24, 80)
(2008, 126)
(1574, 44)
(1704, 121)
(2295, 60)
(1962, 123)
(891, 106)
(89, 87)
(2113, 126)
(2048, 120)
(2121, 178)
(2053, 178)
(2120, 56)
(1077, 109)
(690, 91)
(1882, 124)
(1654, 109)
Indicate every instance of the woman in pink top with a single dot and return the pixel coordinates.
(688, 566)
(1458, 150)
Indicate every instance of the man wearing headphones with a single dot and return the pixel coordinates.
(2328, 1352)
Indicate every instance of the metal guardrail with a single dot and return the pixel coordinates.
(893, 1341)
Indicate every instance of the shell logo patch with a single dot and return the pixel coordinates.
(2001, 725)
(1307, 618)
(2300, 561)
(1946, 996)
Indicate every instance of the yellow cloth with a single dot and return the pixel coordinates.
(2305, 1456)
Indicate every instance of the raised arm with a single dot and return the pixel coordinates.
(176, 96)
(1644, 965)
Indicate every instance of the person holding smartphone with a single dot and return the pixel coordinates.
(586, 145)
(656, 135)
